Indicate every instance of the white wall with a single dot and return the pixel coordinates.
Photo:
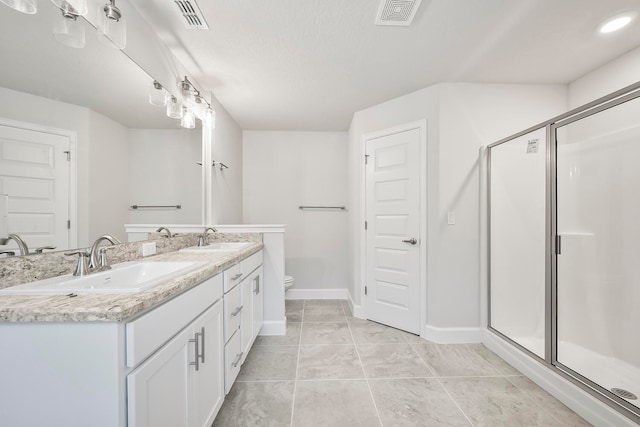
(460, 119)
(108, 177)
(227, 144)
(283, 170)
(164, 171)
(617, 74)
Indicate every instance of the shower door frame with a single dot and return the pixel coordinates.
(550, 360)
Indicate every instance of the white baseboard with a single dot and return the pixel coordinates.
(357, 310)
(274, 327)
(581, 402)
(452, 335)
(316, 294)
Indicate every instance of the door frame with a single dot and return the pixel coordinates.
(73, 167)
(421, 125)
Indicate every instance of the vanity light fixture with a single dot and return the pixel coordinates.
(188, 120)
(77, 7)
(196, 102)
(616, 23)
(157, 95)
(112, 28)
(209, 117)
(68, 30)
(174, 108)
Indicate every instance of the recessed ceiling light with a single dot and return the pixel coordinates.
(616, 23)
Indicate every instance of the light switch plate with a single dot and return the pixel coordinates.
(148, 248)
(451, 218)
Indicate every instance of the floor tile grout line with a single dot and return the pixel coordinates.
(373, 400)
(295, 378)
(429, 367)
(455, 402)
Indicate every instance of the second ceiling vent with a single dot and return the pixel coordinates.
(397, 12)
(192, 15)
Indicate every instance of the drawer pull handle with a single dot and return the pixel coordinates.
(237, 276)
(202, 347)
(237, 359)
(256, 289)
(236, 311)
(196, 341)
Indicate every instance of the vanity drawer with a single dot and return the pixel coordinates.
(150, 331)
(232, 361)
(232, 276)
(232, 312)
(251, 263)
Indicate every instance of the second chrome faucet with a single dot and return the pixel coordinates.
(95, 259)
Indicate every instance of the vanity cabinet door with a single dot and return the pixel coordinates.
(246, 328)
(209, 379)
(258, 301)
(159, 389)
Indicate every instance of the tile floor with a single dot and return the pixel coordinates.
(332, 369)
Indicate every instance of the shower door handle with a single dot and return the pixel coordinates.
(412, 241)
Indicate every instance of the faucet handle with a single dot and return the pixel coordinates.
(82, 268)
(42, 248)
(9, 253)
(103, 262)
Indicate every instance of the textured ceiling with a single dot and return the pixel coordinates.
(310, 64)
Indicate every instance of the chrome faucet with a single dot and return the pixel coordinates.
(204, 238)
(100, 263)
(161, 229)
(22, 245)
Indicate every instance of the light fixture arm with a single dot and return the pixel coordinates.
(189, 87)
(111, 11)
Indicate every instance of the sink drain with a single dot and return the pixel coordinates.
(625, 394)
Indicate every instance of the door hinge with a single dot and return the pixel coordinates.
(365, 290)
(558, 244)
(365, 225)
(68, 153)
(68, 224)
(366, 159)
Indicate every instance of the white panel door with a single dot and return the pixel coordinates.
(393, 230)
(34, 172)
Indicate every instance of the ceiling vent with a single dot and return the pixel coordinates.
(397, 12)
(193, 17)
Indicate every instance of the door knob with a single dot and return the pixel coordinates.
(413, 241)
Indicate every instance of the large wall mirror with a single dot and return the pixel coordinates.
(93, 103)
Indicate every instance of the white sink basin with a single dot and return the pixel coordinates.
(219, 247)
(127, 277)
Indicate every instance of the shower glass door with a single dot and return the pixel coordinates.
(597, 293)
(517, 206)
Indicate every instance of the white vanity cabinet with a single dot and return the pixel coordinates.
(243, 313)
(181, 383)
(170, 366)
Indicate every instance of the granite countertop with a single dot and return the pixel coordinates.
(118, 307)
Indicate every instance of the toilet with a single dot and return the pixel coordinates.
(288, 283)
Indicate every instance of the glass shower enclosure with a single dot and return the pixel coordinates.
(564, 246)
